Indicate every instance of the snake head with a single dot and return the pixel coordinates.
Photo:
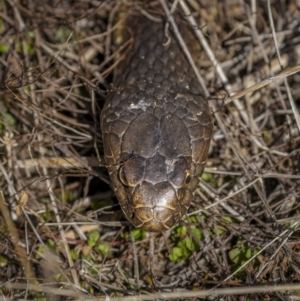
(158, 169)
(157, 115)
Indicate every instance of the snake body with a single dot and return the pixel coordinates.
(156, 127)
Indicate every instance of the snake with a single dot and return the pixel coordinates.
(156, 125)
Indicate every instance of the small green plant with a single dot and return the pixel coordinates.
(185, 243)
(29, 42)
(102, 248)
(49, 245)
(220, 228)
(4, 48)
(98, 204)
(93, 241)
(48, 216)
(267, 136)
(74, 254)
(66, 197)
(207, 177)
(3, 261)
(63, 34)
(138, 235)
(40, 297)
(1, 22)
(242, 253)
(93, 238)
(5, 118)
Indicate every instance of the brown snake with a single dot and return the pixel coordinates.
(156, 127)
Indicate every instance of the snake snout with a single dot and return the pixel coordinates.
(156, 207)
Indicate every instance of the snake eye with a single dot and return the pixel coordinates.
(122, 176)
(188, 177)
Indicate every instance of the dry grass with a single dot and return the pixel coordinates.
(63, 236)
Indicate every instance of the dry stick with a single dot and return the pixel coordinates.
(113, 57)
(261, 194)
(9, 145)
(96, 148)
(253, 10)
(226, 198)
(219, 70)
(215, 63)
(293, 105)
(254, 31)
(50, 290)
(109, 28)
(217, 66)
(69, 163)
(294, 226)
(253, 127)
(101, 35)
(58, 219)
(29, 274)
(163, 296)
(136, 263)
(288, 231)
(57, 162)
(151, 253)
(183, 46)
(296, 114)
(205, 45)
(11, 188)
(217, 199)
(37, 121)
(257, 37)
(54, 121)
(249, 184)
(282, 75)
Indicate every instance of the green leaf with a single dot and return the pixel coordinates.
(98, 204)
(206, 177)
(228, 219)
(40, 297)
(3, 48)
(176, 254)
(218, 230)
(62, 34)
(248, 253)
(197, 232)
(181, 244)
(103, 248)
(74, 254)
(181, 231)
(94, 236)
(40, 252)
(51, 243)
(234, 255)
(67, 196)
(3, 261)
(189, 244)
(195, 219)
(139, 234)
(91, 243)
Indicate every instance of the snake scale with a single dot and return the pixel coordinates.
(156, 126)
